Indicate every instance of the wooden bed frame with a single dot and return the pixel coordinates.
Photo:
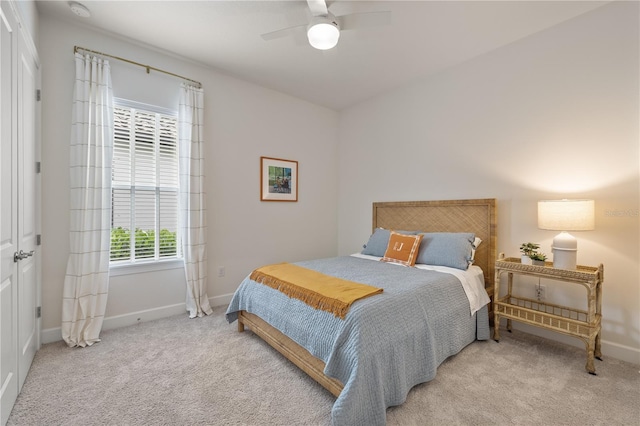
(478, 216)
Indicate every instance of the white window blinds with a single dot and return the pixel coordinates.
(145, 185)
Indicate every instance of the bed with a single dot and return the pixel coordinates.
(387, 343)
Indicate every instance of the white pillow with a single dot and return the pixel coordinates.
(474, 247)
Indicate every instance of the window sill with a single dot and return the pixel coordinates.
(141, 268)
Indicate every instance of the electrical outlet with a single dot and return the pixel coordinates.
(541, 292)
(221, 271)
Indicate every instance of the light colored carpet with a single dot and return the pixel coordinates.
(179, 371)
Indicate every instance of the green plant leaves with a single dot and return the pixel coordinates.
(145, 241)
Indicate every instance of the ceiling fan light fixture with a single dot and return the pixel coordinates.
(323, 33)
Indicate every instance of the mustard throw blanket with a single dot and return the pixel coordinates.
(317, 290)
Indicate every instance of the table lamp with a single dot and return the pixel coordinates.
(566, 215)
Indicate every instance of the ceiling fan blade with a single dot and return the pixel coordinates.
(354, 21)
(285, 32)
(318, 7)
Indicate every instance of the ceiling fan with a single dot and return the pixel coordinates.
(323, 31)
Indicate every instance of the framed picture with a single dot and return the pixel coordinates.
(278, 179)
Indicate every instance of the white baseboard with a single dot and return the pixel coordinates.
(55, 334)
(223, 300)
(609, 349)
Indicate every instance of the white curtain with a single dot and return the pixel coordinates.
(87, 279)
(193, 221)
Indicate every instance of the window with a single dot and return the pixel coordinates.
(144, 195)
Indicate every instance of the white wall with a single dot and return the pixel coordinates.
(554, 115)
(242, 123)
(28, 16)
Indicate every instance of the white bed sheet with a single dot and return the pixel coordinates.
(472, 280)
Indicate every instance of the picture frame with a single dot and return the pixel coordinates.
(278, 179)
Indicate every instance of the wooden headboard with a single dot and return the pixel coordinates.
(477, 216)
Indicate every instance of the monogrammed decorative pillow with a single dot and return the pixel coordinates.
(379, 240)
(402, 249)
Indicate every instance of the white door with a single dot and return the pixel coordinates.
(8, 217)
(28, 333)
(19, 289)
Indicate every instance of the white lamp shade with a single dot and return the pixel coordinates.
(323, 34)
(566, 215)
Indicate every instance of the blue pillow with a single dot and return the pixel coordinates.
(452, 249)
(379, 240)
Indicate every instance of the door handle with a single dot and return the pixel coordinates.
(22, 255)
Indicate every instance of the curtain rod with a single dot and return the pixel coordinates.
(147, 67)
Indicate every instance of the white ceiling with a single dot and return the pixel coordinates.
(424, 37)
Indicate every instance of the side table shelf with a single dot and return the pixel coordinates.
(583, 324)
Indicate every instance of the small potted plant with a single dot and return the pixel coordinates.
(538, 258)
(528, 249)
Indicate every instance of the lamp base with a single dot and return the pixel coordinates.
(565, 251)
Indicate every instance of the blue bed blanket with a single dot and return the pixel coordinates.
(386, 344)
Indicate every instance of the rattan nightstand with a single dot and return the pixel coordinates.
(585, 325)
